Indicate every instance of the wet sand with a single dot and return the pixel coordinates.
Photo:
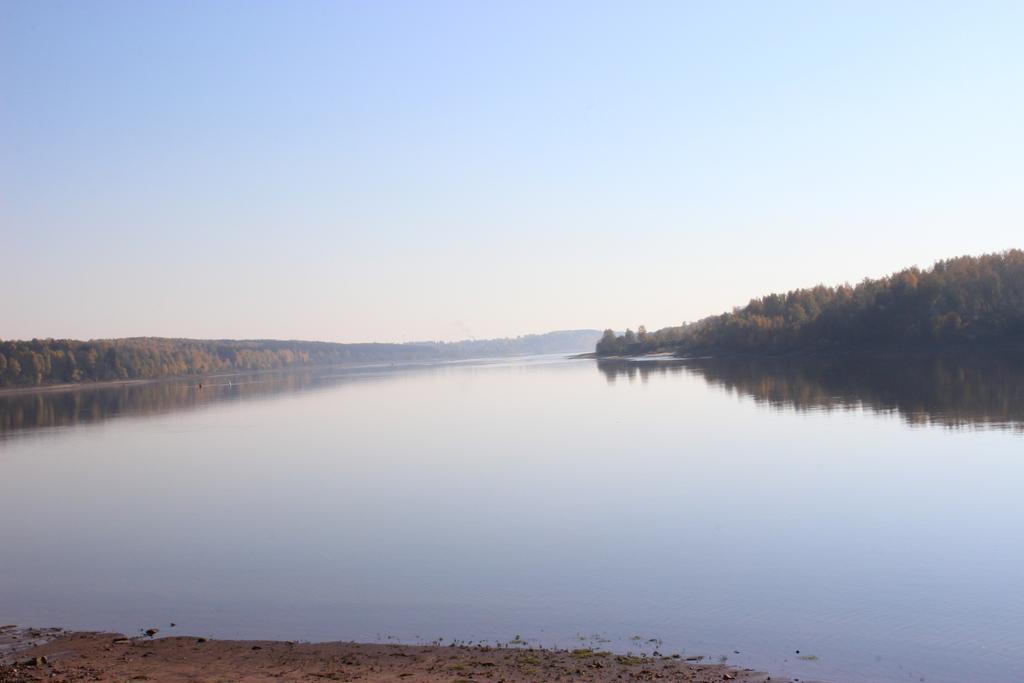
(54, 655)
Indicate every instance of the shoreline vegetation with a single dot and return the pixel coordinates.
(964, 302)
(56, 362)
(983, 389)
(54, 654)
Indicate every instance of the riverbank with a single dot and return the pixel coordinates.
(53, 655)
(198, 380)
(1014, 348)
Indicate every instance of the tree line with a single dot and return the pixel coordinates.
(960, 301)
(50, 361)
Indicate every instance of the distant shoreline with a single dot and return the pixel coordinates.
(877, 352)
(56, 362)
(108, 383)
(71, 386)
(199, 379)
(666, 355)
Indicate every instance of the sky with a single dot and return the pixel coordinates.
(397, 171)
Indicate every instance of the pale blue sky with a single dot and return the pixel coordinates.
(397, 171)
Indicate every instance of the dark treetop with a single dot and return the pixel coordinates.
(958, 302)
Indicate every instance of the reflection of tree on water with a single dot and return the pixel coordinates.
(80, 404)
(83, 404)
(953, 390)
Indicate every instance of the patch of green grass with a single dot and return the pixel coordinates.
(629, 660)
(584, 652)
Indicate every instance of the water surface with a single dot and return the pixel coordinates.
(865, 513)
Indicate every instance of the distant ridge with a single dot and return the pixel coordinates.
(55, 361)
(965, 301)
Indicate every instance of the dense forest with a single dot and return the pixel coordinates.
(51, 361)
(958, 302)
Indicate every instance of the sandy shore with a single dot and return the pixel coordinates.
(54, 655)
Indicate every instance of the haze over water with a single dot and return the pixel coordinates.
(869, 519)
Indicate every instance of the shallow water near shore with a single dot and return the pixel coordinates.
(865, 513)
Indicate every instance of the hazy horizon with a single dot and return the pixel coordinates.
(256, 339)
(401, 172)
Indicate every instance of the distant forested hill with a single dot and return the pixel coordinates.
(961, 301)
(50, 361)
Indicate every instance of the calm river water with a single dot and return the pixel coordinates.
(869, 514)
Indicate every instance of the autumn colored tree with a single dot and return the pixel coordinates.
(960, 301)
